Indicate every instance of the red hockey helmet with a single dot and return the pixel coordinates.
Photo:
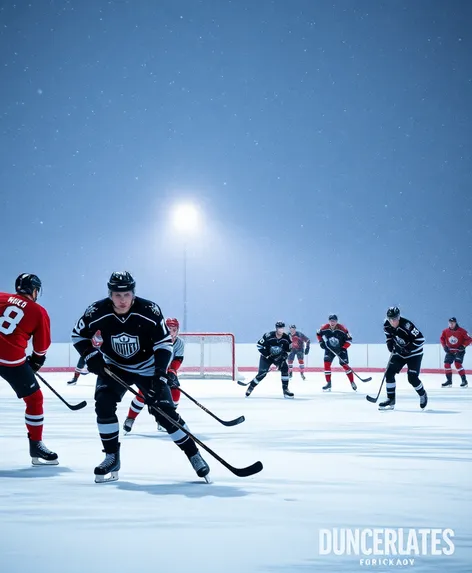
(172, 322)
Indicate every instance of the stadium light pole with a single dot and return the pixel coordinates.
(186, 219)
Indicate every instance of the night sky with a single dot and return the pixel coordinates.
(326, 144)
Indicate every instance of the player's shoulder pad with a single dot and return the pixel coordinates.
(97, 307)
(342, 327)
(287, 337)
(406, 324)
(150, 306)
(324, 326)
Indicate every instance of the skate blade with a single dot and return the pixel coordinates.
(207, 478)
(327, 390)
(71, 383)
(104, 479)
(288, 397)
(40, 462)
(386, 408)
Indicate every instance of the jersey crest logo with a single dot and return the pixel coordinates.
(333, 341)
(155, 309)
(453, 340)
(400, 341)
(408, 326)
(125, 345)
(275, 350)
(90, 310)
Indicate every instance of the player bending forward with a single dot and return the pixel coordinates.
(405, 342)
(21, 318)
(454, 341)
(300, 349)
(178, 345)
(334, 339)
(137, 346)
(274, 347)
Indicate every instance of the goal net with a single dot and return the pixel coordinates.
(209, 355)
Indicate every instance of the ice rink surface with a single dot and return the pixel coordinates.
(330, 461)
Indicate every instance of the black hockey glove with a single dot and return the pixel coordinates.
(461, 348)
(95, 363)
(390, 346)
(158, 382)
(279, 360)
(307, 350)
(35, 361)
(172, 379)
(446, 349)
(323, 345)
(401, 350)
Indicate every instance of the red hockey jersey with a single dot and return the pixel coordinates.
(453, 338)
(20, 319)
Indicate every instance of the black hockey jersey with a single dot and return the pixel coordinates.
(272, 347)
(138, 342)
(406, 337)
(337, 338)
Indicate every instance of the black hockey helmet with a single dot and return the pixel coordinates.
(333, 317)
(121, 281)
(293, 326)
(393, 312)
(26, 283)
(280, 324)
(453, 319)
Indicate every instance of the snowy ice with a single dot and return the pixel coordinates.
(330, 461)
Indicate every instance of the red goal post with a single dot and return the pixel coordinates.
(209, 355)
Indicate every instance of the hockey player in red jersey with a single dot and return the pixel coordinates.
(334, 339)
(22, 318)
(454, 340)
(300, 349)
(137, 404)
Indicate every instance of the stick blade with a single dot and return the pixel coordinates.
(78, 406)
(370, 399)
(235, 422)
(366, 379)
(255, 468)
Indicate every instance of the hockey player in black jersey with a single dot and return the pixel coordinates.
(274, 347)
(405, 342)
(136, 344)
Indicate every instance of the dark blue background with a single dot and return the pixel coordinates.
(327, 145)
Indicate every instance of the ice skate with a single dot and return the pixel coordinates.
(200, 466)
(160, 428)
(110, 465)
(128, 425)
(423, 401)
(252, 385)
(40, 455)
(290, 374)
(447, 384)
(302, 375)
(389, 404)
(464, 383)
(287, 393)
(327, 388)
(354, 386)
(72, 382)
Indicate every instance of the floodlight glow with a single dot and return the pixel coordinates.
(186, 218)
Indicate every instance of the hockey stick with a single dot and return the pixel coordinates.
(235, 422)
(346, 363)
(240, 472)
(78, 406)
(374, 400)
